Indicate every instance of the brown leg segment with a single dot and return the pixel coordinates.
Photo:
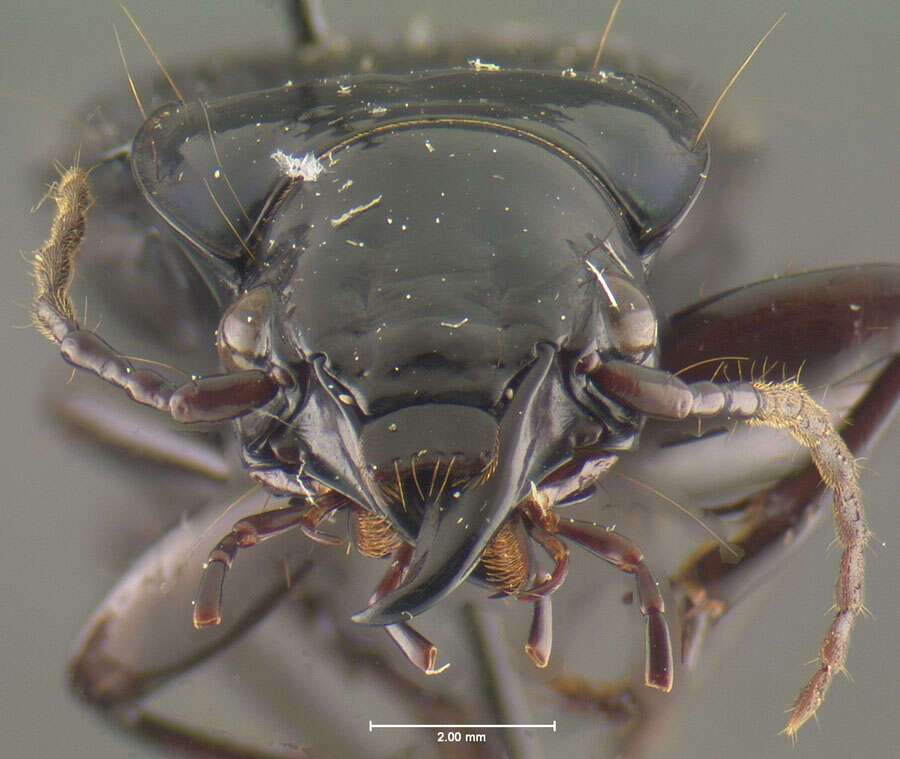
(627, 557)
(540, 636)
(557, 551)
(248, 532)
(420, 651)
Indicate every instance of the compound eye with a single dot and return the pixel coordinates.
(243, 337)
(630, 319)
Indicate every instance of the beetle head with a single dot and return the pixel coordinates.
(426, 297)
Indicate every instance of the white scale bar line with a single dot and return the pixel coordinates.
(551, 726)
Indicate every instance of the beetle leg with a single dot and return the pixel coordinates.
(140, 638)
(540, 636)
(315, 513)
(247, 532)
(420, 651)
(507, 564)
(115, 661)
(626, 556)
(557, 551)
(374, 537)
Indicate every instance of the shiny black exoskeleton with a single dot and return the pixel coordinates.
(435, 319)
(432, 287)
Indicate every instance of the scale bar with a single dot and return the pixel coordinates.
(463, 726)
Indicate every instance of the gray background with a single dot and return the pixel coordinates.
(823, 94)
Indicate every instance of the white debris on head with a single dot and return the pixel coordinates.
(480, 65)
(306, 168)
